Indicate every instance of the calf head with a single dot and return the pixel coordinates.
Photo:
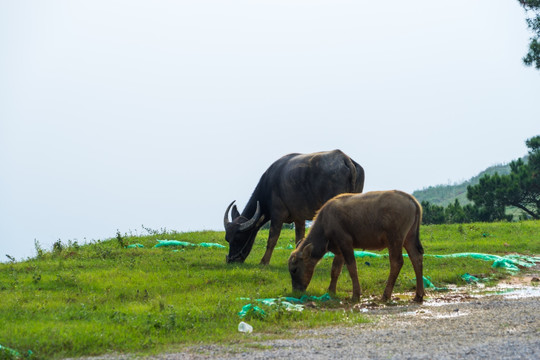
(301, 267)
(240, 233)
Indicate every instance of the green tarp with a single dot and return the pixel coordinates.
(7, 353)
(359, 254)
(165, 243)
(509, 262)
(429, 285)
(10, 352)
(253, 311)
(287, 303)
(471, 278)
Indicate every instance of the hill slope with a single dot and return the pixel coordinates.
(446, 194)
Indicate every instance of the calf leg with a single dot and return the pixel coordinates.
(417, 262)
(353, 272)
(300, 231)
(337, 266)
(396, 262)
(273, 236)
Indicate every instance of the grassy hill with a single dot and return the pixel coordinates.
(445, 194)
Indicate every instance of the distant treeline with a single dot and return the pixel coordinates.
(457, 214)
(516, 189)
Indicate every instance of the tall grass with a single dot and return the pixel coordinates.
(101, 297)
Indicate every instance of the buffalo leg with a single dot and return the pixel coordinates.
(337, 265)
(396, 262)
(275, 230)
(417, 262)
(300, 230)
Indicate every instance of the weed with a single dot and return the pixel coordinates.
(120, 239)
(73, 245)
(58, 247)
(150, 231)
(39, 249)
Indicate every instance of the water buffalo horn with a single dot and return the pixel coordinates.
(249, 224)
(226, 217)
(234, 213)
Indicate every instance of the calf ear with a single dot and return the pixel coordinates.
(293, 259)
(306, 252)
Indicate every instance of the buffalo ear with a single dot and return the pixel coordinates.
(306, 252)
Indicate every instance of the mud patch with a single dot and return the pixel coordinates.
(512, 288)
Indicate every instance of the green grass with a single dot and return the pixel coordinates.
(92, 299)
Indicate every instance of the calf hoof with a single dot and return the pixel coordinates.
(332, 291)
(418, 299)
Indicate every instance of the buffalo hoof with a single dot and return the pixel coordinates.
(418, 299)
(230, 260)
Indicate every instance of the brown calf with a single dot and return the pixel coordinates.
(372, 221)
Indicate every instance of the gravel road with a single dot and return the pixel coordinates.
(494, 327)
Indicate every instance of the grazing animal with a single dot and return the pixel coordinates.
(373, 221)
(291, 190)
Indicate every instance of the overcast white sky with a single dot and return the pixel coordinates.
(115, 114)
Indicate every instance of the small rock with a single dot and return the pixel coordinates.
(535, 279)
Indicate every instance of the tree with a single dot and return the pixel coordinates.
(521, 188)
(455, 214)
(489, 206)
(532, 10)
(432, 214)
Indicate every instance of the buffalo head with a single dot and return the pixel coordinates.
(240, 232)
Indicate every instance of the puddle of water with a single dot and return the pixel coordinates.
(457, 295)
(427, 314)
(510, 291)
(454, 296)
(523, 293)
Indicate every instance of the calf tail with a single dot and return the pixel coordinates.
(417, 223)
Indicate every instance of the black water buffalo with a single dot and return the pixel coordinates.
(291, 190)
(374, 221)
